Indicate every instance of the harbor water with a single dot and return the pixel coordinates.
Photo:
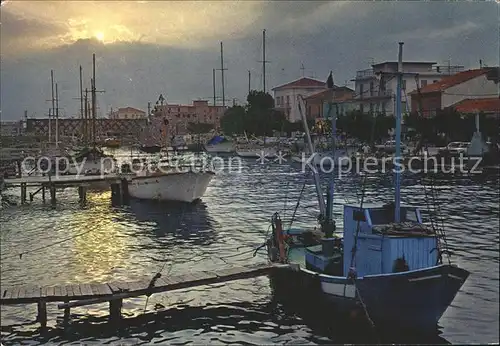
(100, 243)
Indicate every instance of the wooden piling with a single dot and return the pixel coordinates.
(23, 193)
(82, 194)
(125, 193)
(53, 195)
(66, 312)
(42, 313)
(115, 310)
(116, 194)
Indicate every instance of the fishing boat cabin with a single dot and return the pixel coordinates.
(382, 246)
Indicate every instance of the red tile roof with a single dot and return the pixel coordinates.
(303, 82)
(487, 105)
(449, 81)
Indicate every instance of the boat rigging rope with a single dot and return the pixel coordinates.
(297, 205)
(20, 255)
(352, 270)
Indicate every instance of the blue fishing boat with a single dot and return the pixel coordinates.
(386, 260)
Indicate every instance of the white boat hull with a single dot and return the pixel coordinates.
(179, 186)
(224, 147)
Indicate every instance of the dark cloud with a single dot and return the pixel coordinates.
(324, 36)
(22, 32)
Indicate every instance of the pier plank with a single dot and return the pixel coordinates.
(189, 278)
(204, 275)
(95, 289)
(123, 286)
(15, 294)
(57, 291)
(114, 286)
(3, 291)
(77, 292)
(31, 292)
(166, 280)
(7, 293)
(43, 291)
(104, 289)
(86, 290)
(62, 291)
(50, 291)
(69, 291)
(20, 294)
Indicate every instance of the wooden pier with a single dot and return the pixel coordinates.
(117, 182)
(114, 292)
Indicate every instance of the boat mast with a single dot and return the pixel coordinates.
(93, 100)
(222, 74)
(57, 118)
(264, 60)
(213, 85)
(81, 102)
(249, 79)
(53, 104)
(317, 183)
(86, 117)
(329, 226)
(397, 159)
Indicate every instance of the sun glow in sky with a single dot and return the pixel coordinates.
(176, 23)
(100, 36)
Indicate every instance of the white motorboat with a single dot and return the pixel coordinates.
(170, 186)
(171, 179)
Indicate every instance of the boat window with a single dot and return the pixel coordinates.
(358, 215)
(411, 215)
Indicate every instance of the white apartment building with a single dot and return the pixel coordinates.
(375, 93)
(285, 95)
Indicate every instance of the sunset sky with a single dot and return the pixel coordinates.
(145, 48)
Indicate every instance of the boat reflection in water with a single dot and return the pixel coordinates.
(182, 225)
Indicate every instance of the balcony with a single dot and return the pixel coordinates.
(445, 69)
(368, 73)
(367, 94)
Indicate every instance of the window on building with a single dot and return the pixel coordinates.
(371, 107)
(404, 84)
(371, 88)
(361, 108)
(361, 91)
(287, 99)
(384, 105)
(423, 83)
(435, 81)
(277, 101)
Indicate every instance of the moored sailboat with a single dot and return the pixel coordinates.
(388, 261)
